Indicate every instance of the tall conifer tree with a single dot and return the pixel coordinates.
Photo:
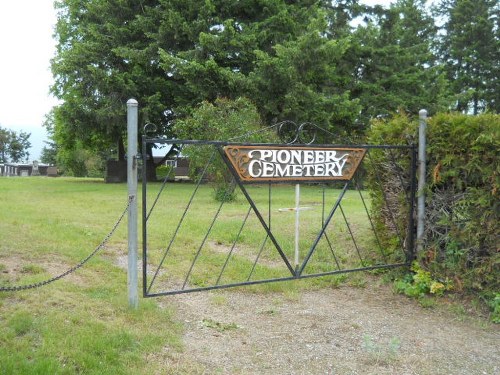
(470, 49)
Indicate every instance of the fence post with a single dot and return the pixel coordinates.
(132, 123)
(422, 127)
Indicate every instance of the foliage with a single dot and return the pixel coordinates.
(49, 153)
(80, 162)
(421, 283)
(296, 61)
(14, 145)
(278, 56)
(224, 120)
(388, 178)
(462, 195)
(220, 327)
(336, 64)
(76, 158)
(165, 171)
(469, 49)
(395, 66)
(463, 152)
(495, 308)
(103, 58)
(382, 353)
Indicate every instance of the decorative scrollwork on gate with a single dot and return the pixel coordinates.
(293, 133)
(149, 129)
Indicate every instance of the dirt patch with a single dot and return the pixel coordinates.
(14, 268)
(331, 331)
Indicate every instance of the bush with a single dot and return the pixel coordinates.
(462, 195)
(223, 120)
(388, 181)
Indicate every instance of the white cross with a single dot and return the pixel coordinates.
(297, 209)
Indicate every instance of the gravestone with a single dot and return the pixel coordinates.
(52, 171)
(34, 170)
(116, 171)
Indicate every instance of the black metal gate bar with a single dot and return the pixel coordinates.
(267, 226)
(267, 281)
(178, 225)
(163, 185)
(258, 257)
(325, 225)
(377, 239)
(326, 234)
(233, 245)
(231, 189)
(259, 216)
(352, 235)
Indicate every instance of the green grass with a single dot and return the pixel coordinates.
(82, 323)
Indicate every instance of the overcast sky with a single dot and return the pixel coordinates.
(26, 47)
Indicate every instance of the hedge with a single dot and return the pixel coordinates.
(461, 238)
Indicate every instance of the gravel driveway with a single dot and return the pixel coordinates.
(345, 330)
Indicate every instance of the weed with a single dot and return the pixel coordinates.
(357, 280)
(379, 353)
(427, 302)
(219, 299)
(494, 305)
(220, 327)
(270, 311)
(420, 283)
(32, 269)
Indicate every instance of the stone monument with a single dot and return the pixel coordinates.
(35, 171)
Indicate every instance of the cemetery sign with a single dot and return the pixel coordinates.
(259, 163)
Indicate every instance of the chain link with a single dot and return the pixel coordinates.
(74, 268)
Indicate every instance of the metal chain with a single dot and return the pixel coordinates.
(74, 268)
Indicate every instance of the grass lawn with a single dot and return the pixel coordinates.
(82, 323)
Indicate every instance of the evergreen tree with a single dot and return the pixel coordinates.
(279, 56)
(470, 50)
(103, 58)
(393, 61)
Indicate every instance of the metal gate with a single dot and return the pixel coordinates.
(251, 213)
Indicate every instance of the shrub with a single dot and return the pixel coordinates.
(462, 195)
(222, 120)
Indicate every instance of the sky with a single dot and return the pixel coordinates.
(26, 47)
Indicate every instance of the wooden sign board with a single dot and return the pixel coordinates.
(293, 163)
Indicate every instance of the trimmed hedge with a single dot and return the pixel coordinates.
(462, 232)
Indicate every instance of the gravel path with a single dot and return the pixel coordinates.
(346, 330)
